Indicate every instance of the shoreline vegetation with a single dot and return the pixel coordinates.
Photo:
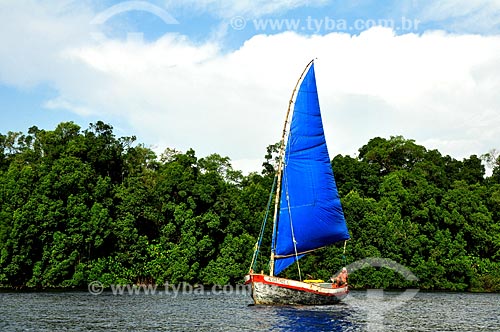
(81, 205)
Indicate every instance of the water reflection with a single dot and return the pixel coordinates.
(310, 318)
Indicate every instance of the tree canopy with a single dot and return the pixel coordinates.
(83, 205)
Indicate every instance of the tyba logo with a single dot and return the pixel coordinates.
(128, 6)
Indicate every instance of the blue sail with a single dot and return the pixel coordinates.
(310, 209)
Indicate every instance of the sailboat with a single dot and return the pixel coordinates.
(307, 211)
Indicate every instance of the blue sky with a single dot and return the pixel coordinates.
(216, 76)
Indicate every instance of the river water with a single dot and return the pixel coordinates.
(206, 311)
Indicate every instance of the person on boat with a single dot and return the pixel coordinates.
(341, 279)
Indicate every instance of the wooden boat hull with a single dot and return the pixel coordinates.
(274, 290)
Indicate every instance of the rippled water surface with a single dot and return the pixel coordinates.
(362, 311)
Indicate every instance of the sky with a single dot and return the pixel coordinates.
(216, 76)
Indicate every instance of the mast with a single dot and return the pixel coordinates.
(280, 171)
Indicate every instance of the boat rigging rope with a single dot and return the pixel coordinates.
(291, 224)
(344, 261)
(253, 266)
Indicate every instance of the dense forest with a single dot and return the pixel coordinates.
(83, 205)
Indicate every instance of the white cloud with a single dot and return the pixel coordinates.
(445, 9)
(32, 35)
(470, 16)
(437, 88)
(60, 103)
